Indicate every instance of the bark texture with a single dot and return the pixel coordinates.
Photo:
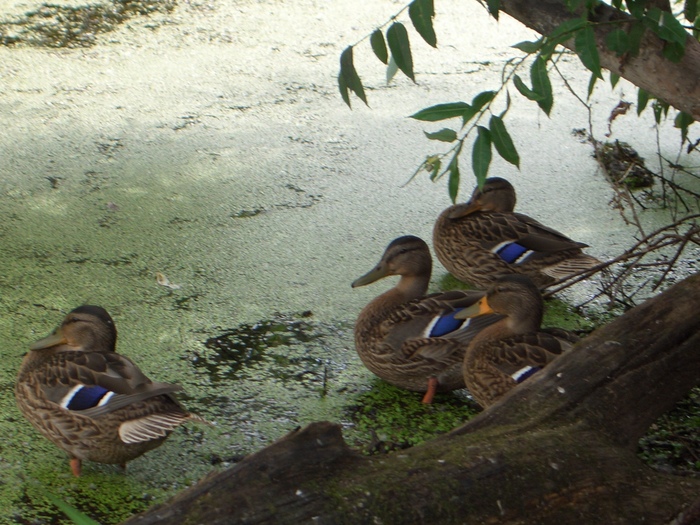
(558, 449)
(677, 83)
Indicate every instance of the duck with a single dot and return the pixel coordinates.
(483, 238)
(514, 348)
(90, 401)
(410, 339)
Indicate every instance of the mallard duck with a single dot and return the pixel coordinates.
(483, 238)
(407, 338)
(90, 401)
(513, 348)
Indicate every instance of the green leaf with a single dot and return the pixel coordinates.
(614, 79)
(636, 7)
(433, 165)
(618, 41)
(442, 112)
(587, 50)
(379, 46)
(666, 26)
(453, 182)
(524, 90)
(493, 6)
(481, 154)
(690, 10)
(682, 121)
(541, 84)
(444, 135)
(642, 100)
(397, 36)
(501, 139)
(660, 109)
(673, 51)
(591, 84)
(421, 13)
(483, 98)
(73, 514)
(635, 35)
(529, 47)
(348, 78)
(562, 33)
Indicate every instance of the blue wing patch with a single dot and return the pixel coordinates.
(512, 252)
(525, 372)
(446, 324)
(82, 397)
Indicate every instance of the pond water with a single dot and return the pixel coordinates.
(206, 143)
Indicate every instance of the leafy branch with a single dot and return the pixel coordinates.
(393, 50)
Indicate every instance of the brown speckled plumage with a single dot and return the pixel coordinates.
(135, 416)
(392, 331)
(464, 236)
(506, 352)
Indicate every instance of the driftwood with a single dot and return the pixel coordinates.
(559, 449)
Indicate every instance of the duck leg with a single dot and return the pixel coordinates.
(75, 466)
(430, 393)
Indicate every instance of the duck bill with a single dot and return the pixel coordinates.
(462, 210)
(374, 275)
(55, 339)
(480, 308)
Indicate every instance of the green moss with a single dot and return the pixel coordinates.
(673, 441)
(388, 418)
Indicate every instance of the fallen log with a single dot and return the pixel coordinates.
(559, 449)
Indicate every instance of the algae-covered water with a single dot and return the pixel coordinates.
(191, 168)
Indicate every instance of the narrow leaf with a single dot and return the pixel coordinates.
(433, 165)
(529, 47)
(524, 90)
(673, 51)
(493, 6)
(422, 13)
(636, 32)
(541, 84)
(682, 121)
(442, 112)
(483, 98)
(614, 79)
(397, 37)
(591, 84)
(587, 50)
(636, 7)
(481, 154)
(660, 109)
(379, 46)
(350, 78)
(690, 10)
(666, 26)
(618, 41)
(501, 139)
(478, 102)
(642, 100)
(74, 515)
(444, 135)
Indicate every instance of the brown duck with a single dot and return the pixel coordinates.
(484, 238)
(90, 401)
(410, 339)
(513, 348)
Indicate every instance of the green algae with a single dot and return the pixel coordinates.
(57, 26)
